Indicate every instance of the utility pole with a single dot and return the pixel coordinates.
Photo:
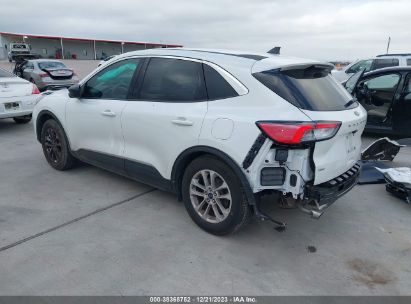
(388, 44)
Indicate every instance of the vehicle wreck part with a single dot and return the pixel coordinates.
(255, 148)
(261, 215)
(404, 142)
(381, 149)
(369, 173)
(398, 182)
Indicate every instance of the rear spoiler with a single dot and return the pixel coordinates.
(284, 64)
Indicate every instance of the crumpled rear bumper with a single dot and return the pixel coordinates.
(327, 193)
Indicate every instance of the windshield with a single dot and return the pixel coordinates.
(312, 88)
(4, 73)
(51, 65)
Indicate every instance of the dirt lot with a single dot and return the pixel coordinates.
(90, 232)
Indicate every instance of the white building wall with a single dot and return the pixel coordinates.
(105, 49)
(78, 49)
(45, 47)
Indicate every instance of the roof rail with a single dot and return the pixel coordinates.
(399, 54)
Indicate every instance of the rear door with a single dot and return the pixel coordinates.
(165, 117)
(401, 110)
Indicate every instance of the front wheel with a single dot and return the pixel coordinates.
(22, 119)
(55, 146)
(213, 196)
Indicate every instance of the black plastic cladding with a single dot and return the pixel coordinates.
(255, 148)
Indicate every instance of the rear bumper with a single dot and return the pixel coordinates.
(327, 193)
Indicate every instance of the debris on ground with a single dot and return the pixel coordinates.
(398, 182)
(381, 149)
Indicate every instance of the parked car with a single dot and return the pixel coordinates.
(17, 97)
(106, 59)
(371, 64)
(47, 73)
(386, 95)
(219, 129)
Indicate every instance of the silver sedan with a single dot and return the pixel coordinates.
(47, 73)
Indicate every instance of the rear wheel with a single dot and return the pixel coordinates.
(22, 119)
(213, 196)
(55, 146)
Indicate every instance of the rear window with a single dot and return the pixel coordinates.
(384, 63)
(51, 65)
(4, 73)
(312, 88)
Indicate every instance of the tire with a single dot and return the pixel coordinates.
(236, 209)
(55, 146)
(22, 119)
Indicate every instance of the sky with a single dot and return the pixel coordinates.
(318, 29)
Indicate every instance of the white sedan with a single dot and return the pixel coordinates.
(17, 97)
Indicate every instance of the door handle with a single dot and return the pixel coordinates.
(182, 122)
(108, 113)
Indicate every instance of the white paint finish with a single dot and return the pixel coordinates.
(95, 124)
(155, 133)
(335, 156)
(222, 128)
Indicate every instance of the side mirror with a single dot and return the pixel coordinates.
(75, 91)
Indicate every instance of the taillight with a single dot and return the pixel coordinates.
(35, 90)
(294, 133)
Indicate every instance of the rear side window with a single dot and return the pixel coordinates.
(217, 86)
(312, 88)
(173, 80)
(384, 63)
(408, 61)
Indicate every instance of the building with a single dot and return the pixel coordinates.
(74, 48)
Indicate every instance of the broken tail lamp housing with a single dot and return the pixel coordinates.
(295, 133)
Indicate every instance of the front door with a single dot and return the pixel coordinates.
(94, 120)
(376, 94)
(401, 112)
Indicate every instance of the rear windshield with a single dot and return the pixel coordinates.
(4, 73)
(51, 65)
(312, 88)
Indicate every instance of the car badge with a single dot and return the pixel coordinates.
(356, 113)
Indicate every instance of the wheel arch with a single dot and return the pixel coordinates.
(188, 155)
(42, 117)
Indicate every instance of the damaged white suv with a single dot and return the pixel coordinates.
(218, 128)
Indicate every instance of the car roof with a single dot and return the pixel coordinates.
(229, 58)
(389, 69)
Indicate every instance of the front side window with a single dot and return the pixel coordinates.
(384, 63)
(113, 82)
(360, 65)
(217, 86)
(173, 80)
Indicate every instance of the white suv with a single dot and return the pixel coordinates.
(371, 64)
(218, 128)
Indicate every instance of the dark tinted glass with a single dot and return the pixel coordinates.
(217, 86)
(4, 73)
(384, 63)
(310, 89)
(409, 61)
(113, 82)
(173, 80)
